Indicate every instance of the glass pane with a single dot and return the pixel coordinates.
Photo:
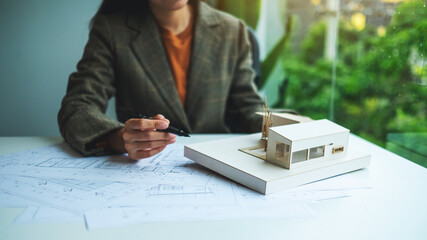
(360, 63)
(383, 97)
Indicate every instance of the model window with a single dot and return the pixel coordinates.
(282, 151)
(299, 156)
(317, 152)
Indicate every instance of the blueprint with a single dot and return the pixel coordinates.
(61, 160)
(56, 177)
(56, 184)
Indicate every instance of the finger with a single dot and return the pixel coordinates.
(160, 117)
(146, 135)
(141, 124)
(137, 146)
(146, 153)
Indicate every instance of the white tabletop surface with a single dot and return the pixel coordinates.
(395, 208)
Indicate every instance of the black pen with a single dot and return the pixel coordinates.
(170, 129)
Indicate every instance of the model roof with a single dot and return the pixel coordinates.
(300, 131)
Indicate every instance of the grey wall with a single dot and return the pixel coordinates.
(41, 42)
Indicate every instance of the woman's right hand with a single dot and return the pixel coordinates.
(140, 139)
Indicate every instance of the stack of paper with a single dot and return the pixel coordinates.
(57, 185)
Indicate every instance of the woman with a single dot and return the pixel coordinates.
(184, 60)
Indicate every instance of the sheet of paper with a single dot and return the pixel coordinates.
(61, 161)
(213, 191)
(341, 182)
(56, 177)
(247, 197)
(48, 215)
(73, 195)
(120, 216)
(8, 200)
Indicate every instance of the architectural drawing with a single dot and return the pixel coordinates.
(77, 184)
(167, 187)
(168, 190)
(67, 162)
(73, 195)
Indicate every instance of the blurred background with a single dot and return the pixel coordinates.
(360, 63)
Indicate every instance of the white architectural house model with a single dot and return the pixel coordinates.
(298, 145)
(291, 150)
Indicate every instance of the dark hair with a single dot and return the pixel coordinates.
(130, 6)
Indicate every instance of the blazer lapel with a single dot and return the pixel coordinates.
(148, 48)
(202, 57)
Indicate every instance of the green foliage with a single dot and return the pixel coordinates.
(275, 55)
(408, 145)
(381, 81)
(247, 10)
(313, 45)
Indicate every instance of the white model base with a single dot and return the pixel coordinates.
(224, 157)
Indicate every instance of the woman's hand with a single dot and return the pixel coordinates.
(140, 139)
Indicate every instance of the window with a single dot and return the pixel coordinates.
(363, 65)
(299, 156)
(282, 151)
(359, 63)
(317, 152)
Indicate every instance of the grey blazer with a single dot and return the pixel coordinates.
(124, 57)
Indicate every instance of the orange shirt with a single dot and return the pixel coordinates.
(178, 48)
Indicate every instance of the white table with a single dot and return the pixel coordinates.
(396, 208)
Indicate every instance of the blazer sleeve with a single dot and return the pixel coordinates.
(243, 100)
(82, 120)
